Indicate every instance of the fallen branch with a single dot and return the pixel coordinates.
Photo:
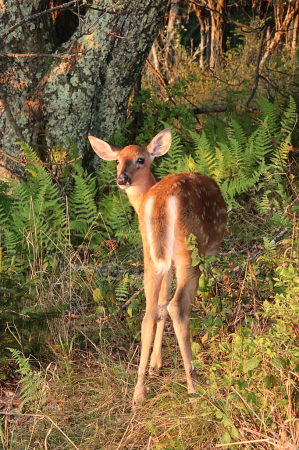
(210, 109)
(23, 161)
(40, 55)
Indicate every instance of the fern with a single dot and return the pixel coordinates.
(122, 289)
(289, 119)
(119, 217)
(32, 383)
(82, 204)
(269, 114)
(204, 157)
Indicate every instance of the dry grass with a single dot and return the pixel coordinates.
(92, 409)
(86, 403)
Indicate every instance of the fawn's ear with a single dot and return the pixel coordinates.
(104, 150)
(160, 144)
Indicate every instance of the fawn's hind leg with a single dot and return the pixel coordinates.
(179, 310)
(156, 357)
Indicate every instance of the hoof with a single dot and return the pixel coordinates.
(154, 371)
(193, 398)
(139, 396)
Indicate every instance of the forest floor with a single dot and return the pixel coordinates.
(86, 403)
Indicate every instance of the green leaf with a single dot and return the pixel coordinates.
(197, 364)
(251, 364)
(100, 310)
(279, 363)
(234, 432)
(225, 438)
(97, 296)
(195, 347)
(217, 322)
(202, 284)
(270, 381)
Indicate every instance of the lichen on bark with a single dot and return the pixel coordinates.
(51, 100)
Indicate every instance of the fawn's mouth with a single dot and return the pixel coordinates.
(124, 186)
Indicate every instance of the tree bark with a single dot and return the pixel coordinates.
(295, 32)
(292, 11)
(217, 9)
(50, 99)
(174, 16)
(203, 19)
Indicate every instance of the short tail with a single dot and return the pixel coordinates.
(160, 229)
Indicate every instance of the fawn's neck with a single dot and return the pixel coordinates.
(137, 192)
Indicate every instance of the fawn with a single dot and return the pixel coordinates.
(168, 211)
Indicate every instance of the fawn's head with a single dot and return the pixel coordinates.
(133, 162)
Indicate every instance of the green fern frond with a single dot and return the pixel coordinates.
(31, 383)
(269, 115)
(122, 289)
(204, 156)
(289, 119)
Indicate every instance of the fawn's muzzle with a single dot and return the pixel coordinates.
(123, 180)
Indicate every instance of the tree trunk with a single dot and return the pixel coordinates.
(203, 19)
(171, 29)
(155, 57)
(47, 99)
(217, 31)
(295, 32)
(293, 10)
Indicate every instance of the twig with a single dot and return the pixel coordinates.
(252, 442)
(119, 37)
(257, 68)
(34, 16)
(248, 408)
(279, 236)
(237, 211)
(158, 75)
(130, 299)
(242, 442)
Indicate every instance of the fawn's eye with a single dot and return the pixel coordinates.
(140, 161)
(117, 161)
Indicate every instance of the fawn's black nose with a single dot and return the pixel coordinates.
(123, 180)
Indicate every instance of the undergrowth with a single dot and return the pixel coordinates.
(71, 281)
